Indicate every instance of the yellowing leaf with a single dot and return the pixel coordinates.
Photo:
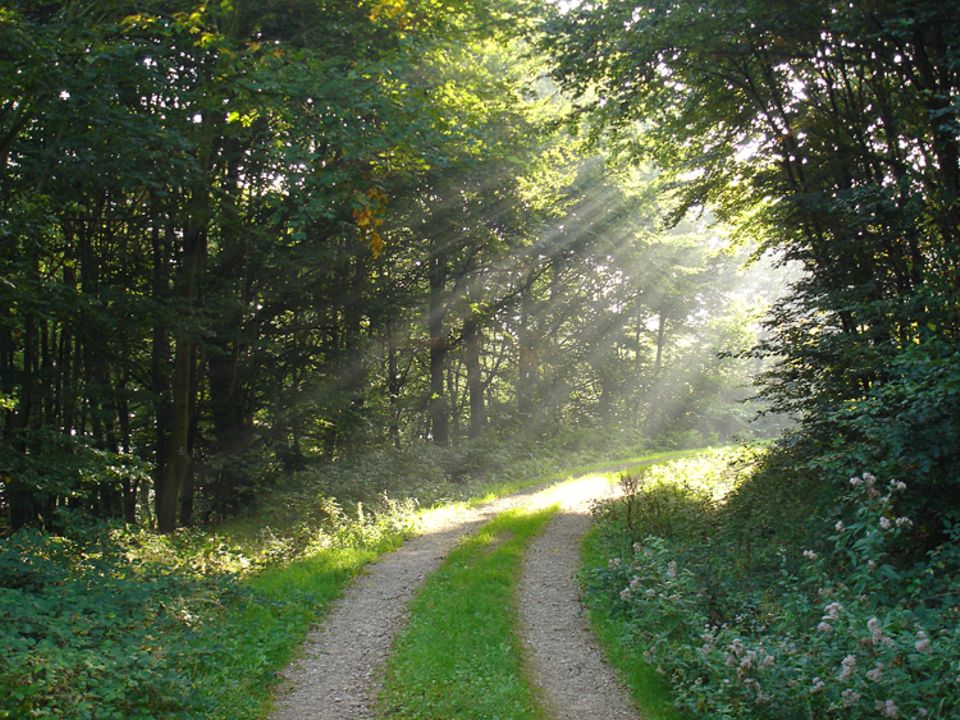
(376, 244)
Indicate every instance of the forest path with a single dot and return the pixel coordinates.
(565, 660)
(338, 676)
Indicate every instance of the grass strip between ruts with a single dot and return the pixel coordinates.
(649, 691)
(459, 656)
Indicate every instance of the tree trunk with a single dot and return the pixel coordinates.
(393, 384)
(160, 356)
(472, 349)
(527, 371)
(439, 420)
(653, 396)
(178, 460)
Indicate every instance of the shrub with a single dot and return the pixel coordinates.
(850, 628)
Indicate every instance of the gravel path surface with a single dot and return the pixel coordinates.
(338, 677)
(565, 661)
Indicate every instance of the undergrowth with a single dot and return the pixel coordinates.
(127, 624)
(755, 600)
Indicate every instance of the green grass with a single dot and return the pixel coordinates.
(648, 689)
(261, 634)
(459, 656)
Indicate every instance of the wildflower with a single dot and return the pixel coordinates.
(887, 709)
(809, 554)
(869, 478)
(847, 666)
(854, 481)
(839, 527)
(871, 565)
(876, 632)
(672, 569)
(817, 686)
(832, 611)
(875, 675)
(824, 627)
(625, 594)
(614, 564)
(904, 522)
(922, 644)
(898, 486)
(767, 662)
(885, 523)
(850, 697)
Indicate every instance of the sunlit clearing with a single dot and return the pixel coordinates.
(576, 495)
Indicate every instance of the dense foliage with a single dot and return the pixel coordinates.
(827, 130)
(240, 239)
(746, 617)
(116, 623)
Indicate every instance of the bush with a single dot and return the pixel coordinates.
(116, 623)
(848, 628)
(86, 632)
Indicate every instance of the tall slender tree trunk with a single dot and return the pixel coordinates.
(472, 349)
(653, 416)
(527, 371)
(439, 419)
(160, 351)
(393, 383)
(178, 460)
(23, 502)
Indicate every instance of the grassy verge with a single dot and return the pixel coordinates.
(260, 635)
(459, 657)
(649, 691)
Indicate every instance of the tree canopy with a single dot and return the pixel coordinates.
(240, 238)
(826, 131)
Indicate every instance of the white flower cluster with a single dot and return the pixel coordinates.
(887, 709)
(849, 697)
(830, 613)
(847, 667)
